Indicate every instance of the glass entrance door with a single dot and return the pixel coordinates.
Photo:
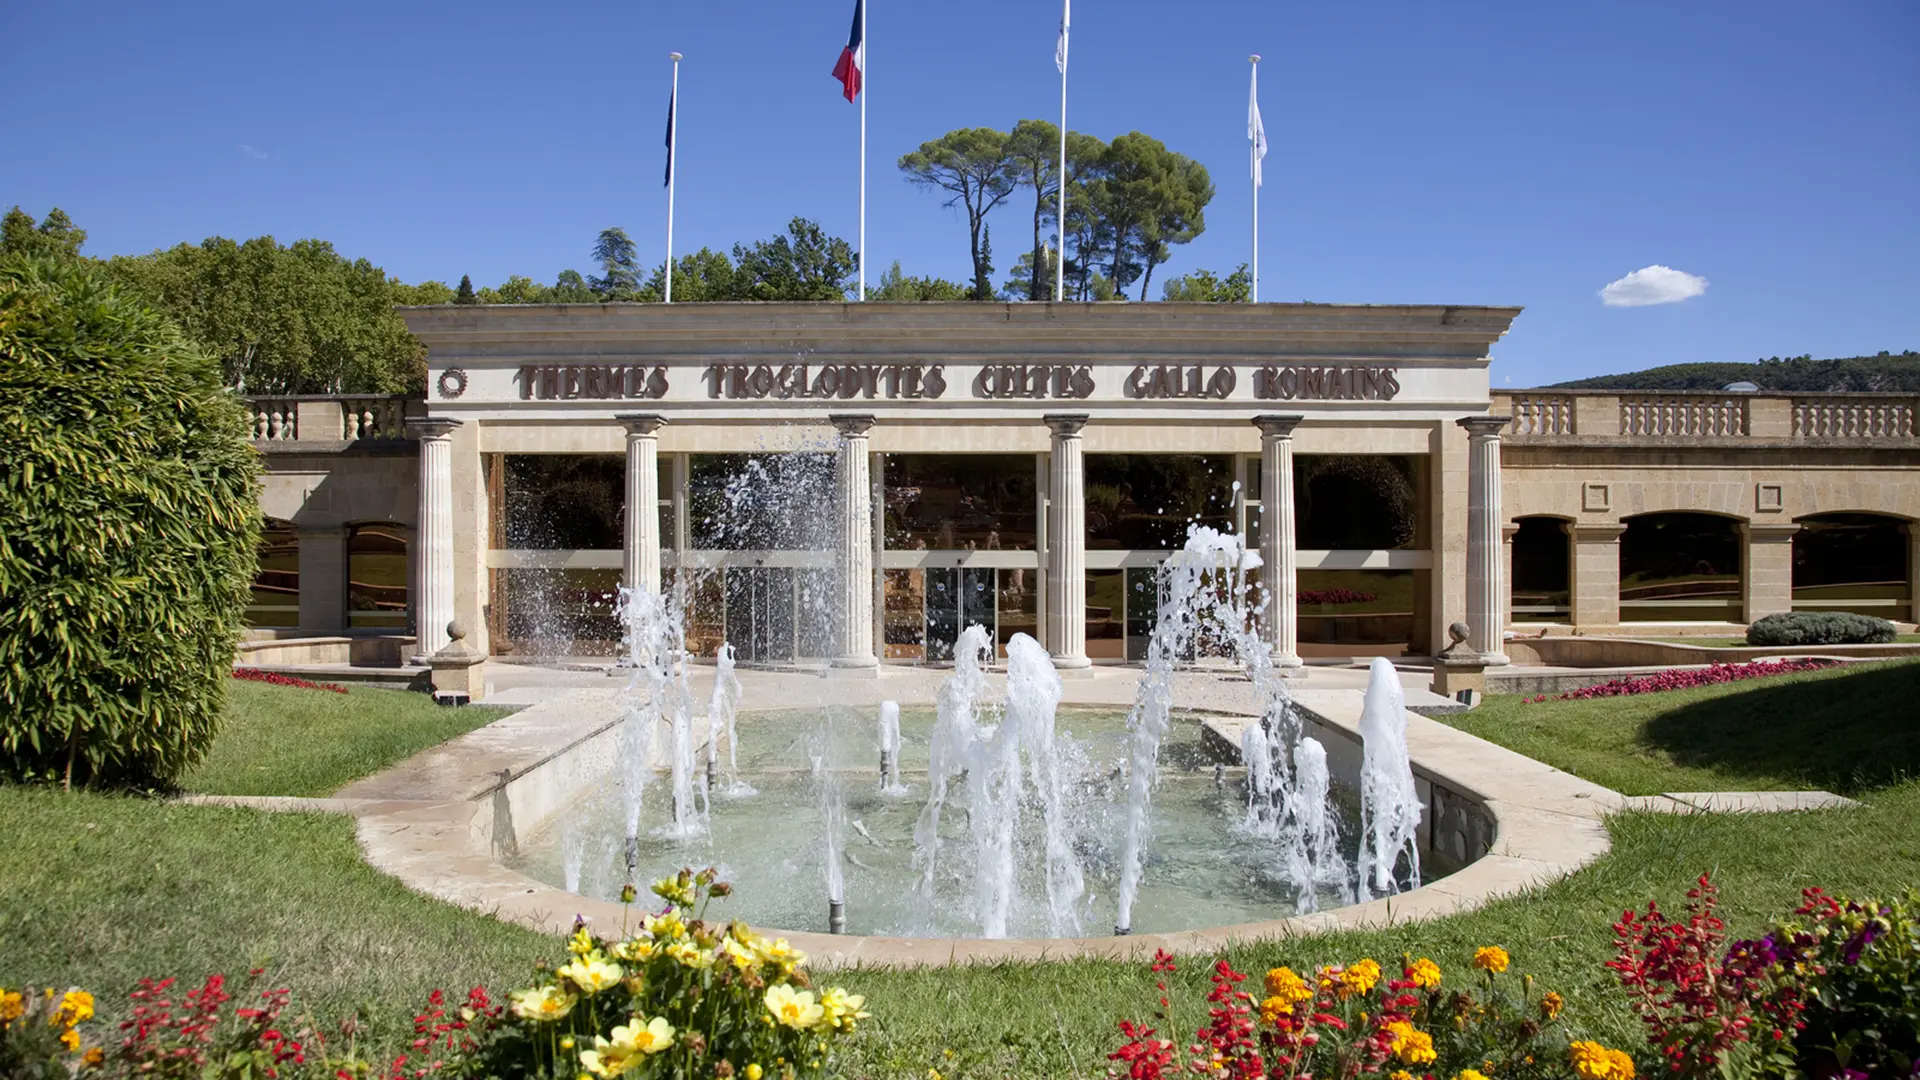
(956, 598)
(759, 616)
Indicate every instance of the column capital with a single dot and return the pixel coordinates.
(1769, 532)
(1065, 425)
(1508, 530)
(852, 425)
(1278, 425)
(1484, 427)
(641, 423)
(431, 427)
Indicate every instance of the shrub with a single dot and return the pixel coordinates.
(128, 524)
(1861, 1011)
(1819, 628)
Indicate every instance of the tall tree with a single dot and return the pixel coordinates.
(571, 288)
(517, 290)
(972, 165)
(1086, 233)
(703, 276)
(619, 265)
(1179, 214)
(425, 293)
(983, 271)
(464, 294)
(55, 237)
(1033, 153)
(804, 264)
(1202, 286)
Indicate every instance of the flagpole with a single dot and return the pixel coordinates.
(1253, 174)
(1060, 260)
(673, 136)
(865, 52)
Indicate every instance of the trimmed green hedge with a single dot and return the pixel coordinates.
(1819, 628)
(129, 518)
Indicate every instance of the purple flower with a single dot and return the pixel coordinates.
(1858, 943)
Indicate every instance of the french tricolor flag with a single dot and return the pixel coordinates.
(853, 58)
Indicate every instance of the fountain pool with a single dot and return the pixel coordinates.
(1207, 867)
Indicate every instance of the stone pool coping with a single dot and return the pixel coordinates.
(431, 822)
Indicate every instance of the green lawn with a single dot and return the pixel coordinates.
(281, 740)
(1843, 730)
(99, 890)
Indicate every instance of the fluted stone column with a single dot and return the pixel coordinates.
(1279, 566)
(1486, 592)
(856, 545)
(641, 544)
(435, 537)
(1067, 544)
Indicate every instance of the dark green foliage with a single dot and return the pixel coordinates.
(619, 265)
(804, 264)
(55, 237)
(1795, 374)
(897, 286)
(1202, 286)
(129, 516)
(464, 294)
(1819, 628)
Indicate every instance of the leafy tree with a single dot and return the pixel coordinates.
(571, 288)
(1019, 286)
(283, 320)
(517, 290)
(55, 237)
(464, 294)
(1203, 287)
(896, 286)
(983, 271)
(129, 504)
(425, 294)
(619, 265)
(804, 264)
(704, 276)
(1087, 233)
(1179, 214)
(971, 164)
(1033, 154)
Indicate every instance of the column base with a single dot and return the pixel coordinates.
(1072, 663)
(854, 667)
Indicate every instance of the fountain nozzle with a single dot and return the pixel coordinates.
(633, 853)
(836, 917)
(710, 764)
(1122, 931)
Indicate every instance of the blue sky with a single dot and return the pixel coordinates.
(1501, 153)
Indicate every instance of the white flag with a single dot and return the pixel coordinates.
(1060, 47)
(1256, 131)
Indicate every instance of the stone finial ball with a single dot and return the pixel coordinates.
(455, 631)
(1458, 632)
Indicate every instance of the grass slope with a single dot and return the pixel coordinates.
(280, 740)
(1844, 730)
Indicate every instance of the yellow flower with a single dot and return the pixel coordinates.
(1399, 1074)
(1410, 1045)
(656, 1036)
(1592, 1061)
(843, 1009)
(1424, 974)
(794, 1009)
(1551, 1005)
(12, 1006)
(592, 973)
(542, 1003)
(1491, 958)
(75, 1006)
(93, 1058)
(666, 927)
(1359, 977)
(70, 1039)
(609, 1059)
(580, 944)
(742, 957)
(779, 952)
(1470, 1074)
(689, 955)
(1283, 983)
(637, 950)
(754, 1071)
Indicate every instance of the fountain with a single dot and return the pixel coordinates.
(1032, 809)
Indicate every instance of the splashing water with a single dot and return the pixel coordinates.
(957, 704)
(1314, 861)
(723, 707)
(890, 749)
(833, 805)
(658, 694)
(1389, 805)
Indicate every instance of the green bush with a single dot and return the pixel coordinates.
(128, 522)
(1819, 628)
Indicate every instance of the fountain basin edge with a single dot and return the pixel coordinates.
(442, 821)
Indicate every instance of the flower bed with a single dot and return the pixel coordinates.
(1683, 679)
(274, 678)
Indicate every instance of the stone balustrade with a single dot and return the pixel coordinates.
(330, 418)
(1578, 415)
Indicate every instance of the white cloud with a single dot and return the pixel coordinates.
(1654, 284)
(253, 152)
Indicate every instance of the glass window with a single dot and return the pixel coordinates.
(1852, 562)
(1018, 606)
(1680, 567)
(906, 620)
(377, 577)
(1542, 570)
(1144, 502)
(1355, 607)
(1359, 502)
(276, 583)
(762, 502)
(553, 613)
(960, 502)
(562, 502)
(1107, 614)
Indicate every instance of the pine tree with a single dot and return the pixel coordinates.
(983, 275)
(464, 294)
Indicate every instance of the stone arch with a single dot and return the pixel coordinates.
(1541, 574)
(275, 601)
(1854, 560)
(379, 562)
(1682, 566)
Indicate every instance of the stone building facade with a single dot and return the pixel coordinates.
(850, 484)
